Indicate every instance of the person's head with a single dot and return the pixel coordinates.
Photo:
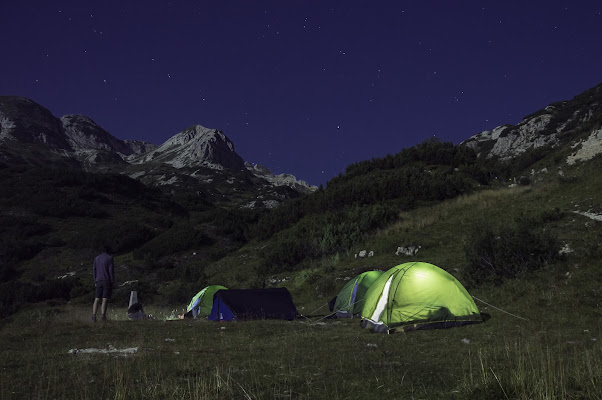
(105, 248)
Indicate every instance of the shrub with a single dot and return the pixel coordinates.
(120, 236)
(14, 294)
(19, 240)
(285, 254)
(524, 180)
(494, 255)
(178, 293)
(8, 273)
(172, 241)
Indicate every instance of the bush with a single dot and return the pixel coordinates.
(494, 255)
(81, 288)
(19, 240)
(189, 273)
(285, 254)
(14, 294)
(119, 236)
(172, 241)
(178, 293)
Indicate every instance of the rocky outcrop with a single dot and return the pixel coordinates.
(23, 120)
(139, 147)
(587, 148)
(281, 179)
(558, 124)
(84, 134)
(195, 146)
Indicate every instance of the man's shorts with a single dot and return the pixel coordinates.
(103, 289)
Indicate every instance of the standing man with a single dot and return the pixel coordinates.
(102, 270)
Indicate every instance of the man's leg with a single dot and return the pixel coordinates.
(103, 307)
(95, 308)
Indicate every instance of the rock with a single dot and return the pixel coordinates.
(408, 251)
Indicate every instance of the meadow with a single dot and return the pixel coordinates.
(541, 339)
(549, 348)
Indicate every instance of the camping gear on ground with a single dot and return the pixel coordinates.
(350, 300)
(417, 295)
(202, 302)
(135, 311)
(249, 304)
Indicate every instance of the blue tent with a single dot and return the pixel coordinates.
(248, 304)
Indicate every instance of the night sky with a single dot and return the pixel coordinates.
(302, 87)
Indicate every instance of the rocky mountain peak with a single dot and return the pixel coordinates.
(26, 121)
(84, 135)
(195, 146)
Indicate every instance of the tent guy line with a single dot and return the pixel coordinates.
(499, 309)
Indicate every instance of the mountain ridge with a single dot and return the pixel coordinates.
(571, 124)
(197, 152)
(570, 128)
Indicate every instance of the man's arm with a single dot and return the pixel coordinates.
(111, 272)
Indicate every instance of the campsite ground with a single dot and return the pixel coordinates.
(56, 352)
(548, 349)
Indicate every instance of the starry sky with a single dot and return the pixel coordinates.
(302, 87)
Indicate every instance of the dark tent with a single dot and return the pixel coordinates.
(247, 304)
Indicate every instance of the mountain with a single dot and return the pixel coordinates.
(196, 145)
(280, 179)
(571, 129)
(23, 120)
(197, 160)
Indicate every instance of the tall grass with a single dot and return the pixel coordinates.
(477, 202)
(305, 359)
(534, 370)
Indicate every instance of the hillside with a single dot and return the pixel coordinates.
(56, 218)
(541, 341)
(522, 233)
(168, 243)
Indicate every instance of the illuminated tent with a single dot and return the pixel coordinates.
(350, 300)
(417, 295)
(202, 302)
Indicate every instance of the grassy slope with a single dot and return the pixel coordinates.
(552, 351)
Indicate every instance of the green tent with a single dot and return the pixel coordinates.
(350, 300)
(417, 295)
(202, 302)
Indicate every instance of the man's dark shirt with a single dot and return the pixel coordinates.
(102, 269)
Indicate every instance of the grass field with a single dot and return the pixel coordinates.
(542, 340)
(552, 351)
